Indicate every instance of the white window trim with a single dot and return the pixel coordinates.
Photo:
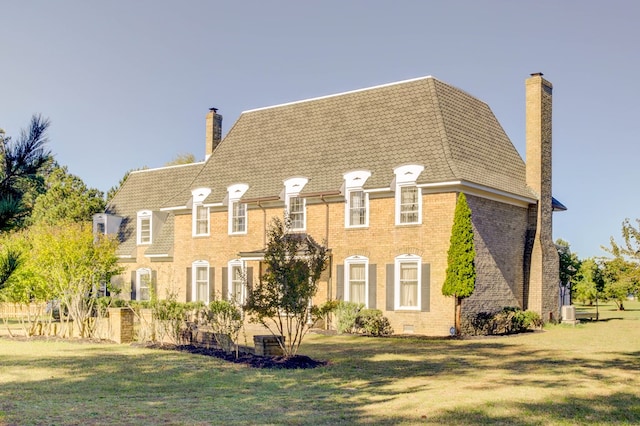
(354, 181)
(235, 193)
(293, 187)
(407, 258)
(351, 260)
(144, 215)
(139, 273)
(243, 291)
(198, 196)
(194, 283)
(407, 175)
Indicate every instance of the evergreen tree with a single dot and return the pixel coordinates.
(460, 280)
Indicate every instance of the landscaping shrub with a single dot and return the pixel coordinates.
(373, 323)
(509, 320)
(225, 320)
(346, 313)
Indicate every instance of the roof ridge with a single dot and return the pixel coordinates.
(442, 131)
(317, 98)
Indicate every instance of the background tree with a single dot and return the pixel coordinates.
(67, 198)
(630, 247)
(621, 278)
(75, 266)
(182, 159)
(589, 282)
(460, 278)
(569, 266)
(20, 164)
(281, 300)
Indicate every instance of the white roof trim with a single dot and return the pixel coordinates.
(339, 94)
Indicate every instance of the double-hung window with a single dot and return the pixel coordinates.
(408, 198)
(200, 279)
(297, 213)
(295, 205)
(143, 284)
(407, 282)
(236, 282)
(200, 212)
(356, 279)
(357, 201)
(144, 227)
(237, 212)
(409, 204)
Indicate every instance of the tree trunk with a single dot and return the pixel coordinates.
(458, 314)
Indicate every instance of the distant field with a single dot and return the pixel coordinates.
(589, 373)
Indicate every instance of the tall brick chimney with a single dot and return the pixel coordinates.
(542, 276)
(214, 131)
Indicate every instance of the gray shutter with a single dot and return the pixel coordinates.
(225, 283)
(189, 284)
(154, 284)
(212, 284)
(390, 289)
(425, 287)
(133, 285)
(339, 282)
(372, 286)
(249, 280)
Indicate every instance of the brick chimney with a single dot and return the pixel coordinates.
(542, 276)
(214, 131)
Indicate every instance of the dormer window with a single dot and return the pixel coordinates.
(237, 209)
(200, 213)
(294, 204)
(144, 227)
(408, 195)
(357, 201)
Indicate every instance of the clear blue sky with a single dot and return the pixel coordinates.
(127, 84)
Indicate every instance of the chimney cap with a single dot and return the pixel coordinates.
(214, 109)
(537, 74)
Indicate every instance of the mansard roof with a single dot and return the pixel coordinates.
(423, 121)
(149, 189)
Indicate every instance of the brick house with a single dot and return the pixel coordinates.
(374, 174)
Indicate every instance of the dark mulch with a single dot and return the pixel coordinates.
(254, 361)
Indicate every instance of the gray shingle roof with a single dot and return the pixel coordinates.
(422, 121)
(150, 190)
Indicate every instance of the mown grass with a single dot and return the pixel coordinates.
(564, 375)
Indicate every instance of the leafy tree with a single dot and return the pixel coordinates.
(281, 300)
(460, 278)
(621, 278)
(630, 247)
(182, 159)
(569, 266)
(589, 281)
(75, 265)
(67, 199)
(20, 164)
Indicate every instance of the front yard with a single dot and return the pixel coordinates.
(563, 375)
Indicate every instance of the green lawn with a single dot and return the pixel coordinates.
(589, 373)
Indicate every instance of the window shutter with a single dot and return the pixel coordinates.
(154, 284)
(188, 284)
(249, 280)
(225, 283)
(212, 284)
(390, 288)
(372, 287)
(339, 282)
(425, 287)
(133, 285)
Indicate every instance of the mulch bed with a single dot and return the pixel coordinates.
(254, 361)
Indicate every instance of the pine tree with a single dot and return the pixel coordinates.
(460, 280)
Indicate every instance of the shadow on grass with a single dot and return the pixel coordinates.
(111, 384)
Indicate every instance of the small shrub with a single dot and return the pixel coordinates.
(324, 311)
(225, 319)
(509, 320)
(373, 323)
(346, 313)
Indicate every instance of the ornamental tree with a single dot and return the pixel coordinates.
(282, 299)
(460, 279)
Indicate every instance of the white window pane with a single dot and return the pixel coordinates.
(409, 284)
(357, 208)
